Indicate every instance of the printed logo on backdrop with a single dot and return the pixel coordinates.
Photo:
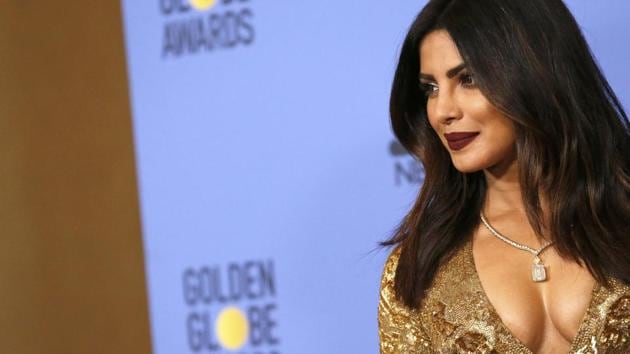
(204, 26)
(231, 308)
(407, 170)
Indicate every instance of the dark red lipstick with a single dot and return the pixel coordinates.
(457, 140)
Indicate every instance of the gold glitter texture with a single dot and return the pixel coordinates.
(457, 317)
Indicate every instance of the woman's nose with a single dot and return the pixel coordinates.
(446, 108)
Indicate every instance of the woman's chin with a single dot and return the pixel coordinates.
(467, 166)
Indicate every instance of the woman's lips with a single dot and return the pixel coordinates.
(457, 141)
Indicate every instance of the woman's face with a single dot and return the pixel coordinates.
(473, 131)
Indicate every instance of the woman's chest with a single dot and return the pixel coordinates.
(459, 317)
(544, 316)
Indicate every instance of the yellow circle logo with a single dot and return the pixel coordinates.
(232, 328)
(202, 5)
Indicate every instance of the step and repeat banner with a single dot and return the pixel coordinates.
(267, 169)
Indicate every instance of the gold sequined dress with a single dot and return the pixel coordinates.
(456, 316)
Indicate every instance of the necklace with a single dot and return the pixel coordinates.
(538, 268)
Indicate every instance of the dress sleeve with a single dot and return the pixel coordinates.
(400, 330)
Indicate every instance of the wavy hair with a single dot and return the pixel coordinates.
(531, 61)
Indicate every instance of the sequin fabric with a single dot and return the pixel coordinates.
(456, 316)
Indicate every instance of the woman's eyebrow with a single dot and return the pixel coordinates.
(450, 73)
(454, 71)
(426, 77)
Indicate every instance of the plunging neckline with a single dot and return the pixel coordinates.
(477, 280)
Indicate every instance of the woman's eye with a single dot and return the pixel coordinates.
(467, 80)
(428, 88)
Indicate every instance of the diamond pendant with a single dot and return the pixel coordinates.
(538, 271)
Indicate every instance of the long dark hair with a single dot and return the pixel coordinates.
(531, 61)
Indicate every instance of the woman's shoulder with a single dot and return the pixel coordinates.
(389, 269)
(390, 303)
(456, 266)
(400, 328)
(388, 294)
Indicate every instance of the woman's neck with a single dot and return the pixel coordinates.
(503, 189)
(504, 200)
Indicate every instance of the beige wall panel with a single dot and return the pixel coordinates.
(72, 269)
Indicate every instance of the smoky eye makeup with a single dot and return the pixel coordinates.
(467, 79)
(427, 88)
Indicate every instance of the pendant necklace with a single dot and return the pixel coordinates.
(538, 268)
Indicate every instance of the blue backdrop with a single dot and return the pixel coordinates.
(267, 169)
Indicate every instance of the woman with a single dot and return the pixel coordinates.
(519, 241)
